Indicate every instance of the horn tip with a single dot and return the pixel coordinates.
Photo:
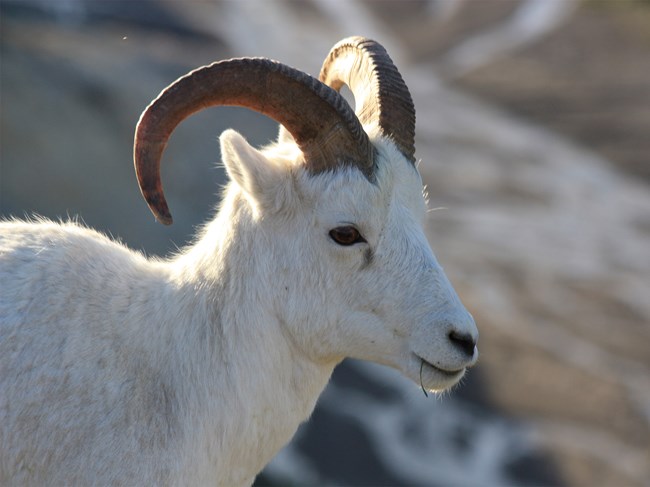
(165, 219)
(159, 208)
(162, 214)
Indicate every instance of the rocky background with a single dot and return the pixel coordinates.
(533, 130)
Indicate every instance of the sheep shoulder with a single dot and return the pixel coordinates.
(28, 245)
(47, 266)
(68, 338)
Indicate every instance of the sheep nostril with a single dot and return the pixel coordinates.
(463, 341)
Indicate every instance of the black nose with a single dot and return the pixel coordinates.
(463, 341)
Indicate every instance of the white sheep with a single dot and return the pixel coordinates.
(116, 369)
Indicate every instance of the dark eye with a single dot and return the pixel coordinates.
(346, 235)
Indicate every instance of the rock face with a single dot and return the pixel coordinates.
(546, 242)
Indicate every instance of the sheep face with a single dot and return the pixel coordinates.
(354, 275)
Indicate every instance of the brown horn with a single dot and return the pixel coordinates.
(379, 90)
(320, 120)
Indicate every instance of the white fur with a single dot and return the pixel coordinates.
(118, 369)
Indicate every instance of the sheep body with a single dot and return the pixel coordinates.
(119, 369)
(111, 383)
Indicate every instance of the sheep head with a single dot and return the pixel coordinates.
(341, 201)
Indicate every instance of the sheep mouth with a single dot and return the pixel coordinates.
(438, 370)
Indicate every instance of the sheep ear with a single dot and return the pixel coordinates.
(261, 179)
(285, 136)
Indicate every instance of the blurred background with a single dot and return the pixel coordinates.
(533, 130)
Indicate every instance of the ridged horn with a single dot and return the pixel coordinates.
(320, 120)
(380, 93)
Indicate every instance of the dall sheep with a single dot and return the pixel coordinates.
(116, 369)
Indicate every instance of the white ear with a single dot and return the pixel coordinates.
(284, 135)
(262, 179)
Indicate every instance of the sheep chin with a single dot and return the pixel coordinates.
(432, 378)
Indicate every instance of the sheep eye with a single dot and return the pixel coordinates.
(346, 236)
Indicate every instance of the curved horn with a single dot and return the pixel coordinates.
(320, 120)
(379, 90)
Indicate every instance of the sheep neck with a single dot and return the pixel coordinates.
(254, 386)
